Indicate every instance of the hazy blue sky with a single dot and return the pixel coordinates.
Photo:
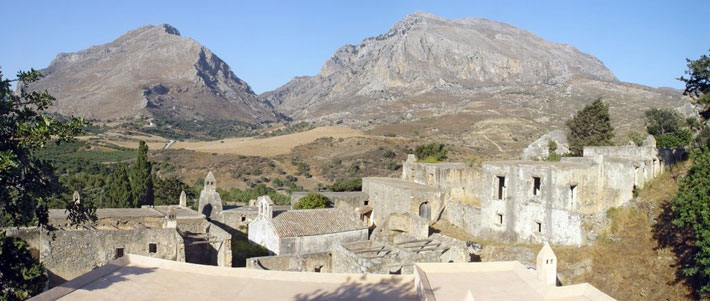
(268, 42)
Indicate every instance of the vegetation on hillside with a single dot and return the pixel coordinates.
(590, 126)
(290, 129)
(354, 184)
(668, 127)
(181, 129)
(685, 225)
(431, 153)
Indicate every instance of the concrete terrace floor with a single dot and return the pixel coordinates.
(144, 278)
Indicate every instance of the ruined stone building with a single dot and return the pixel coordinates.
(523, 201)
(304, 231)
(174, 232)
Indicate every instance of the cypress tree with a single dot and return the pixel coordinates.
(591, 126)
(141, 179)
(119, 190)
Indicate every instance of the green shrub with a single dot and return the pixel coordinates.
(312, 201)
(389, 154)
(347, 185)
(680, 138)
(431, 153)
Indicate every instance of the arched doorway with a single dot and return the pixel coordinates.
(425, 210)
(207, 210)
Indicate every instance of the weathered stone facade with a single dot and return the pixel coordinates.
(524, 201)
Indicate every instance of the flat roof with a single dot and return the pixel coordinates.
(399, 183)
(505, 280)
(444, 164)
(539, 163)
(112, 212)
(136, 277)
(180, 212)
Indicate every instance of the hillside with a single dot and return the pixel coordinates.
(469, 81)
(151, 71)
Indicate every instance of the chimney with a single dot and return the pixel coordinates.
(183, 199)
(547, 265)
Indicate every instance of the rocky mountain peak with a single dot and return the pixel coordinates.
(424, 53)
(150, 71)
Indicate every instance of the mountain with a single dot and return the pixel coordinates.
(492, 81)
(151, 71)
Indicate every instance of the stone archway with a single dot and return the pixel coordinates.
(425, 210)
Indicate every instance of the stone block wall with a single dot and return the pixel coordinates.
(318, 243)
(392, 196)
(67, 254)
(463, 215)
(238, 219)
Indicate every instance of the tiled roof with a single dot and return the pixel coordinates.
(295, 223)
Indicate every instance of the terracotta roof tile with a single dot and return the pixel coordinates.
(295, 223)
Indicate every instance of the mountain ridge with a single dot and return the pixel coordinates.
(151, 71)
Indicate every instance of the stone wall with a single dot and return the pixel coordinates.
(238, 219)
(392, 258)
(67, 254)
(538, 201)
(463, 215)
(456, 179)
(318, 243)
(310, 262)
(221, 242)
(262, 232)
(392, 196)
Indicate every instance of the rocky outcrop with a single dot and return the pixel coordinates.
(150, 71)
(540, 148)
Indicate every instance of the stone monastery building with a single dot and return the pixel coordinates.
(523, 201)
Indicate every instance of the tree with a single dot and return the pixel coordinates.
(167, 190)
(668, 127)
(119, 188)
(663, 121)
(21, 276)
(432, 152)
(697, 85)
(590, 126)
(312, 200)
(691, 214)
(27, 183)
(141, 178)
